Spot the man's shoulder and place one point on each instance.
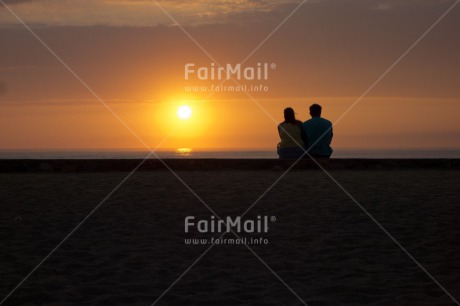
(325, 121)
(316, 121)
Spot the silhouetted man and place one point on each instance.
(318, 134)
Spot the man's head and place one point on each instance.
(315, 110)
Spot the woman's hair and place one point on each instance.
(289, 116)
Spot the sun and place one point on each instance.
(184, 112)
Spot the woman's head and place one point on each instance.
(289, 115)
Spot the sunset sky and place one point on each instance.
(132, 56)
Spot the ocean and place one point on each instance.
(217, 153)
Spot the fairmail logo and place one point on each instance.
(227, 72)
(228, 224)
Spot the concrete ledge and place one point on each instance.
(117, 165)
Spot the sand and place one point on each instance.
(321, 245)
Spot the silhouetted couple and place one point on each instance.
(314, 135)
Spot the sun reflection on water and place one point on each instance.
(184, 152)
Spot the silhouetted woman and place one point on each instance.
(290, 131)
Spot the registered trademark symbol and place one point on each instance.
(273, 218)
(273, 66)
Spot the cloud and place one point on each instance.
(13, 2)
(140, 13)
(135, 13)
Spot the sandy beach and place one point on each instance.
(320, 244)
